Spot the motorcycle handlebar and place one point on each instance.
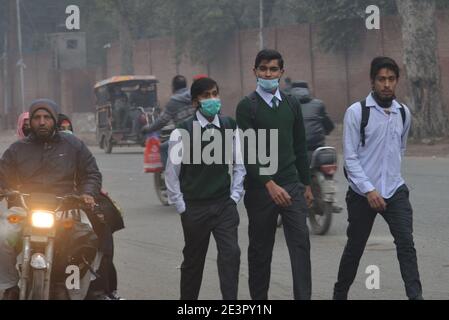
(67, 200)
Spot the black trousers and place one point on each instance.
(199, 221)
(262, 214)
(399, 217)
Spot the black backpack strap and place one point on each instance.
(253, 107)
(403, 115)
(364, 121)
(293, 103)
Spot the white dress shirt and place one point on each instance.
(268, 97)
(377, 166)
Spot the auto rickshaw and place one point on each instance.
(123, 106)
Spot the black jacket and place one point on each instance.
(316, 120)
(61, 166)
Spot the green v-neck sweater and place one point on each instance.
(292, 149)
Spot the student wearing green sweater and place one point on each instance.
(203, 192)
(287, 191)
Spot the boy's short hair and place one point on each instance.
(268, 55)
(379, 63)
(201, 85)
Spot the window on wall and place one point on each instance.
(72, 44)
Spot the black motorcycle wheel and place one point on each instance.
(320, 215)
(37, 288)
(161, 189)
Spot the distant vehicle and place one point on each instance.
(122, 108)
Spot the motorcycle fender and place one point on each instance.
(328, 188)
(38, 261)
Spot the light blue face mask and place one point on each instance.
(268, 85)
(210, 107)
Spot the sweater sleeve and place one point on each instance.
(300, 147)
(244, 122)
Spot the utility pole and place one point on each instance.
(261, 26)
(5, 83)
(12, 52)
(20, 63)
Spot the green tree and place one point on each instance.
(421, 62)
(342, 24)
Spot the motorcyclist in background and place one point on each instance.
(178, 109)
(316, 120)
(317, 123)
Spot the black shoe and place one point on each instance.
(114, 296)
(340, 296)
(12, 293)
(417, 298)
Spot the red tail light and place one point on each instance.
(329, 169)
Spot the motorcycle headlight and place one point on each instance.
(42, 219)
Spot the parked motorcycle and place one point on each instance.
(323, 167)
(58, 246)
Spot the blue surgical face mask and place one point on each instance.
(210, 107)
(268, 85)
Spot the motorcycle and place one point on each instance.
(59, 249)
(323, 168)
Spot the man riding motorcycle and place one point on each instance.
(49, 162)
(316, 120)
(178, 109)
(317, 123)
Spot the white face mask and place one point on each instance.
(268, 85)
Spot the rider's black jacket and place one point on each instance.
(61, 166)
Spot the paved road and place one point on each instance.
(149, 250)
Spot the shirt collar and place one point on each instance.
(267, 96)
(204, 122)
(370, 102)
